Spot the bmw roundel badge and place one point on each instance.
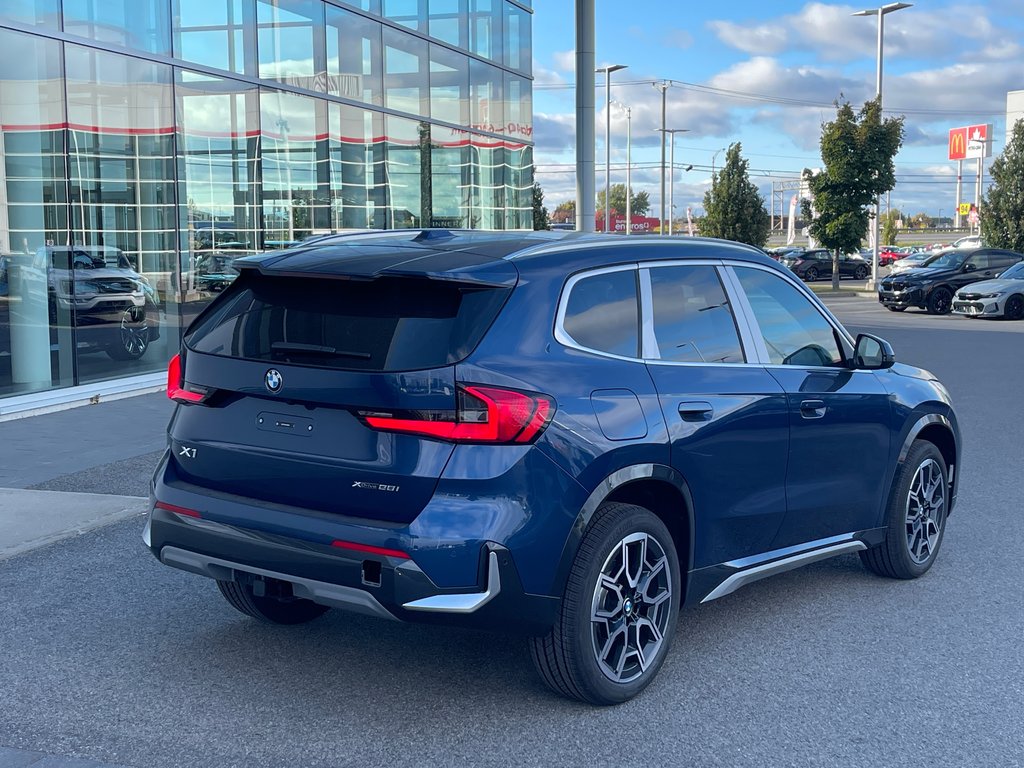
(274, 380)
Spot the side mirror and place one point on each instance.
(968, 267)
(872, 353)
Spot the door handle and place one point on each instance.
(813, 409)
(696, 411)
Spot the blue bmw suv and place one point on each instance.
(566, 436)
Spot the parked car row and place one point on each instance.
(814, 264)
(960, 280)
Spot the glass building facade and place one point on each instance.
(144, 144)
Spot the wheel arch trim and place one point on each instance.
(617, 480)
(919, 425)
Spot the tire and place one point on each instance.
(940, 302)
(811, 275)
(270, 610)
(132, 336)
(896, 309)
(911, 545)
(602, 661)
(1014, 309)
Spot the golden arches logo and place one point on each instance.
(958, 144)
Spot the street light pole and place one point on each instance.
(663, 87)
(880, 12)
(608, 137)
(629, 171)
(672, 172)
(713, 158)
(585, 43)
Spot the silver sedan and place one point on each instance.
(1002, 297)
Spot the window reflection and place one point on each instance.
(487, 183)
(518, 42)
(408, 13)
(406, 165)
(41, 13)
(448, 21)
(296, 184)
(406, 73)
(487, 111)
(354, 57)
(485, 28)
(121, 167)
(450, 177)
(215, 33)
(519, 186)
(141, 24)
(288, 31)
(449, 85)
(357, 168)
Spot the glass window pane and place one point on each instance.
(794, 331)
(144, 25)
(287, 41)
(518, 186)
(487, 183)
(36, 344)
(405, 170)
(485, 28)
(603, 314)
(218, 146)
(296, 169)
(449, 85)
(693, 321)
(354, 57)
(358, 172)
(449, 21)
(406, 68)
(518, 44)
(450, 174)
(487, 113)
(518, 107)
(122, 212)
(42, 13)
(215, 33)
(408, 13)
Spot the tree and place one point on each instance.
(641, 203)
(890, 229)
(1002, 209)
(921, 220)
(564, 213)
(857, 150)
(733, 207)
(540, 213)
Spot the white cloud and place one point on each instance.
(565, 61)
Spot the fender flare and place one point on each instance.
(922, 421)
(616, 480)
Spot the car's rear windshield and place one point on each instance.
(387, 324)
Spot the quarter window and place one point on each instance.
(693, 322)
(794, 330)
(602, 313)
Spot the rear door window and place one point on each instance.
(693, 321)
(602, 313)
(387, 324)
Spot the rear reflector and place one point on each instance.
(383, 551)
(176, 509)
(484, 415)
(176, 384)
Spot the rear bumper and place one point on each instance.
(370, 584)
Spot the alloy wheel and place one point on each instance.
(134, 332)
(926, 511)
(631, 607)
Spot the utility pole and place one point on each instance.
(957, 223)
(672, 172)
(586, 199)
(663, 87)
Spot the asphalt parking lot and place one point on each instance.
(109, 656)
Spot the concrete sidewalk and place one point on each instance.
(68, 472)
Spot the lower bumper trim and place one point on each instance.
(335, 595)
(465, 602)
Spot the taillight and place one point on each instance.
(176, 384)
(184, 511)
(484, 415)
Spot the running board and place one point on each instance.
(763, 571)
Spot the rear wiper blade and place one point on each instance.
(317, 349)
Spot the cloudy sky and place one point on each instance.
(766, 74)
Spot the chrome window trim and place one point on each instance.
(562, 336)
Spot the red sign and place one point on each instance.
(957, 143)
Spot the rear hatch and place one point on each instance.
(292, 362)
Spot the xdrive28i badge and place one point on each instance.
(274, 380)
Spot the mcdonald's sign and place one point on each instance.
(958, 143)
